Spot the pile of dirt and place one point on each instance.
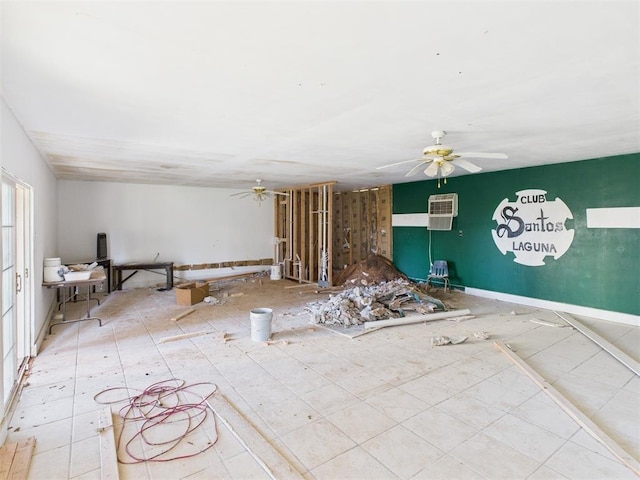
(370, 271)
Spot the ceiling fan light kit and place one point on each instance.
(441, 160)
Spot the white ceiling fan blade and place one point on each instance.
(399, 163)
(432, 170)
(278, 193)
(414, 170)
(500, 156)
(468, 166)
(241, 194)
(447, 169)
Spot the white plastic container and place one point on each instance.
(51, 274)
(275, 272)
(75, 276)
(52, 262)
(261, 324)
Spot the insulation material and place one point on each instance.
(362, 225)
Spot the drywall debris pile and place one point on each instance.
(357, 305)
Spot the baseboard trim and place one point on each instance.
(37, 344)
(617, 317)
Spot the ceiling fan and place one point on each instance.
(441, 161)
(259, 192)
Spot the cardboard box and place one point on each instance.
(191, 293)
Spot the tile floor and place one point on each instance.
(385, 405)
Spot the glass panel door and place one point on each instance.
(9, 331)
(17, 325)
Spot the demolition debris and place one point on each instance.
(357, 305)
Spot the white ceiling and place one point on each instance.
(221, 93)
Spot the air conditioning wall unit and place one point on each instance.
(442, 209)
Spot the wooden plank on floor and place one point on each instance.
(184, 335)
(273, 463)
(108, 454)
(571, 410)
(15, 459)
(7, 452)
(611, 349)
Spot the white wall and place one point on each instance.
(23, 161)
(186, 225)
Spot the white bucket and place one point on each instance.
(275, 272)
(51, 274)
(52, 262)
(261, 324)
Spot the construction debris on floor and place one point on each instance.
(357, 305)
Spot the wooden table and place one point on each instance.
(97, 278)
(166, 266)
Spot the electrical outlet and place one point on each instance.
(459, 233)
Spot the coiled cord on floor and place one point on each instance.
(146, 417)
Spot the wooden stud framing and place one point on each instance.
(385, 238)
(312, 235)
(363, 225)
(337, 228)
(346, 225)
(299, 223)
(358, 224)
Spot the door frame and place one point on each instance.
(24, 298)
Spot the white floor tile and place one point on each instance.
(384, 405)
(525, 437)
(543, 412)
(354, 464)
(470, 410)
(329, 399)
(402, 451)
(447, 468)
(397, 404)
(50, 464)
(440, 428)
(575, 461)
(85, 456)
(361, 422)
(494, 459)
(317, 443)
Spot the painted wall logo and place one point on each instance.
(532, 227)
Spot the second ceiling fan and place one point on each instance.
(441, 161)
(259, 192)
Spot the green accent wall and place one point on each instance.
(601, 268)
